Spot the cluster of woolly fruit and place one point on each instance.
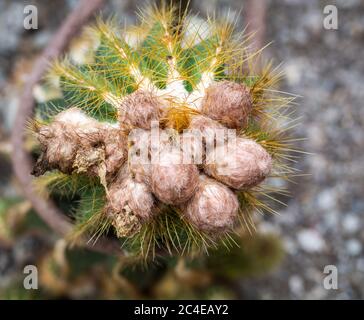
(199, 93)
(75, 142)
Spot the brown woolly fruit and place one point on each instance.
(209, 128)
(172, 181)
(204, 124)
(130, 204)
(139, 109)
(239, 165)
(228, 102)
(76, 142)
(213, 208)
(203, 132)
(144, 147)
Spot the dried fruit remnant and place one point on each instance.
(126, 224)
(129, 204)
(74, 142)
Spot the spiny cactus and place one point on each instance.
(159, 73)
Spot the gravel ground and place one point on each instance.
(322, 224)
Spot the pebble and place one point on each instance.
(296, 285)
(351, 223)
(360, 265)
(311, 241)
(353, 247)
(294, 70)
(326, 200)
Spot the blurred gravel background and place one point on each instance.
(322, 224)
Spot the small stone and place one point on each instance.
(296, 284)
(360, 265)
(317, 293)
(294, 71)
(351, 223)
(311, 241)
(326, 200)
(353, 247)
(290, 246)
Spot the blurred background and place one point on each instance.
(323, 221)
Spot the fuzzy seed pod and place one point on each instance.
(209, 128)
(213, 208)
(228, 102)
(130, 204)
(172, 181)
(110, 149)
(58, 150)
(139, 108)
(244, 165)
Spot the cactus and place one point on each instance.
(158, 73)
